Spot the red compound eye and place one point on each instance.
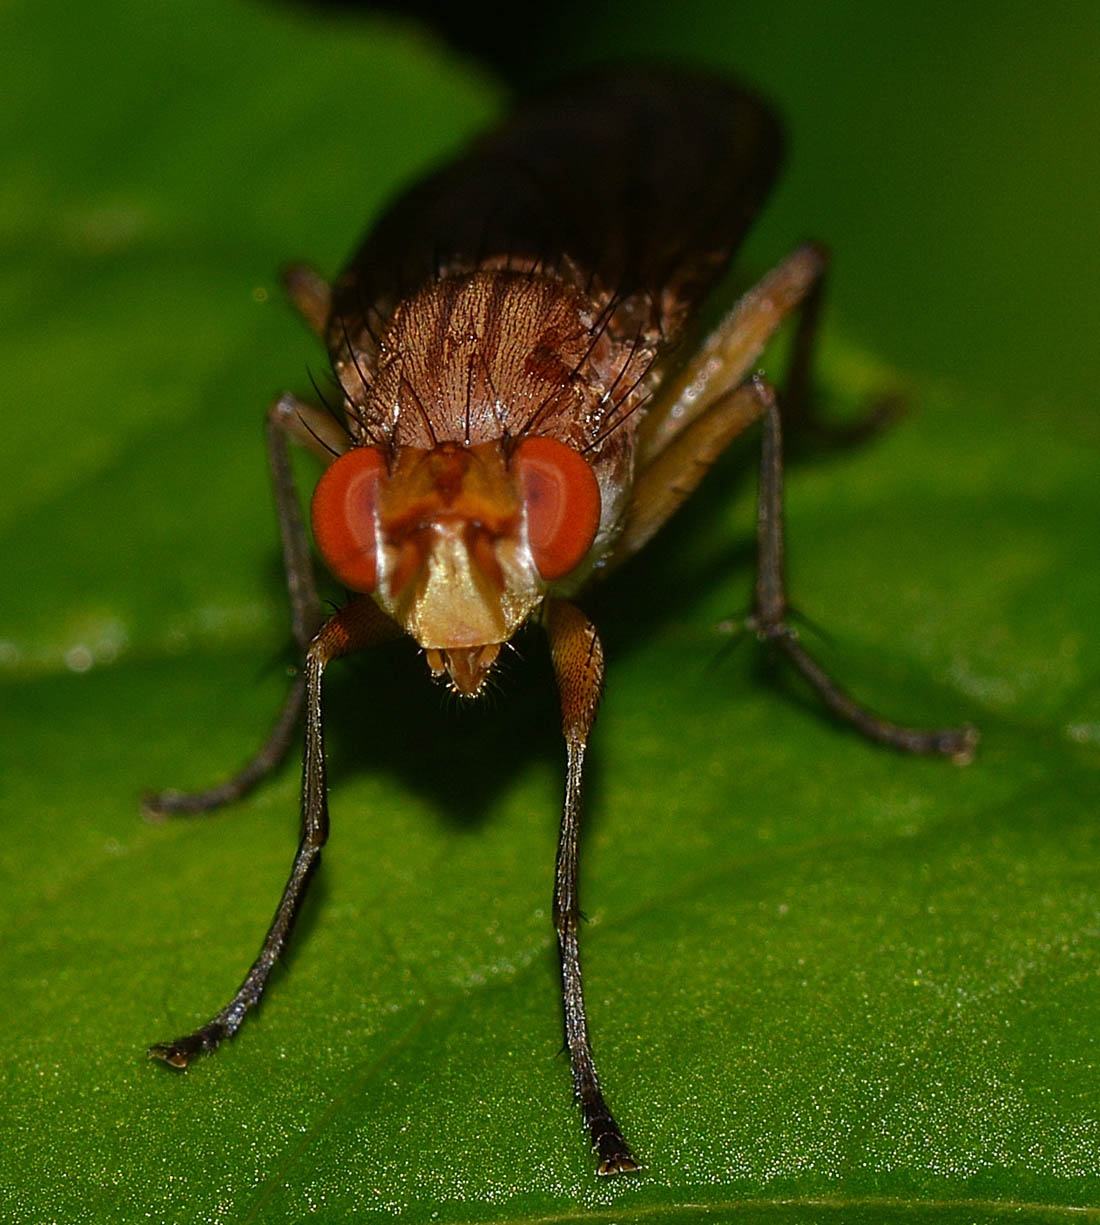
(563, 504)
(343, 516)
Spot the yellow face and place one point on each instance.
(457, 543)
(455, 570)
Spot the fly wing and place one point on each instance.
(638, 185)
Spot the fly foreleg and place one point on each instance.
(355, 626)
(578, 665)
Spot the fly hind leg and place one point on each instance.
(709, 404)
(287, 418)
(769, 618)
(801, 415)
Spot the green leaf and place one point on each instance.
(825, 982)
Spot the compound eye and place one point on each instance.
(343, 514)
(562, 499)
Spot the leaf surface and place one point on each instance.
(825, 982)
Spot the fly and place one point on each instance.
(517, 418)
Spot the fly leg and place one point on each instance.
(799, 403)
(712, 399)
(730, 353)
(286, 417)
(769, 619)
(708, 404)
(311, 295)
(578, 665)
(358, 625)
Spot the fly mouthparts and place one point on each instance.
(467, 668)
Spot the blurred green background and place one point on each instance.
(826, 983)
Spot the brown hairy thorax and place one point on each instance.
(498, 353)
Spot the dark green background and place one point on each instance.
(827, 983)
